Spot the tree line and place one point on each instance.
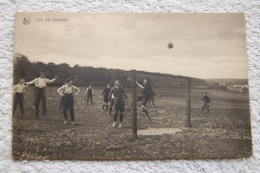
(86, 75)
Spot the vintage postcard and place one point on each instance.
(115, 86)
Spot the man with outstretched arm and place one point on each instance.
(40, 84)
(146, 94)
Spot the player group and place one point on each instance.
(113, 98)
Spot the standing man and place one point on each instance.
(90, 92)
(206, 101)
(118, 94)
(67, 92)
(146, 94)
(40, 84)
(18, 91)
(105, 94)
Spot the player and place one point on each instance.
(118, 94)
(67, 92)
(146, 93)
(40, 84)
(89, 92)
(206, 101)
(18, 91)
(105, 94)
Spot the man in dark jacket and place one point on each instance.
(118, 94)
(89, 92)
(206, 100)
(105, 94)
(146, 94)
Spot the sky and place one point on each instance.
(206, 45)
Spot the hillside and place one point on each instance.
(229, 81)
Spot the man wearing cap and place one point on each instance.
(40, 84)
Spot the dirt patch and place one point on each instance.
(159, 131)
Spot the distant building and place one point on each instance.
(238, 88)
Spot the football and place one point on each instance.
(170, 45)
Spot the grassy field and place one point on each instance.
(225, 132)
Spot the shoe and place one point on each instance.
(72, 123)
(65, 122)
(35, 117)
(114, 124)
(120, 125)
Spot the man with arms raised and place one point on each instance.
(40, 83)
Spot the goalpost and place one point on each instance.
(134, 103)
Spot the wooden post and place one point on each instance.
(134, 105)
(189, 103)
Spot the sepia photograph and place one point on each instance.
(130, 86)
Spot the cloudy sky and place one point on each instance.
(205, 45)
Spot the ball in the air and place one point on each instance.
(170, 45)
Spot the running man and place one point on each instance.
(67, 92)
(18, 91)
(40, 84)
(118, 94)
(105, 94)
(206, 101)
(146, 94)
(89, 92)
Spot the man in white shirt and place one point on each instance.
(40, 84)
(67, 92)
(18, 91)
